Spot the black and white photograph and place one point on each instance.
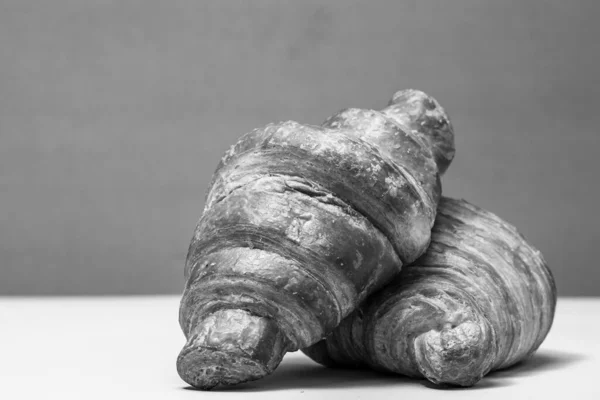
(267, 199)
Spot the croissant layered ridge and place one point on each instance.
(301, 224)
(481, 298)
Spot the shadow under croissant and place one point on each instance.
(305, 374)
(541, 361)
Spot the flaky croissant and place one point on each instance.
(301, 223)
(480, 299)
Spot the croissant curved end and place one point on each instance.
(456, 355)
(229, 347)
(421, 112)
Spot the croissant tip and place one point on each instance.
(458, 355)
(206, 369)
(229, 347)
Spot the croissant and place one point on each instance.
(481, 298)
(301, 223)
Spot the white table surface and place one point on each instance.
(125, 348)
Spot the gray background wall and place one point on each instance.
(113, 115)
